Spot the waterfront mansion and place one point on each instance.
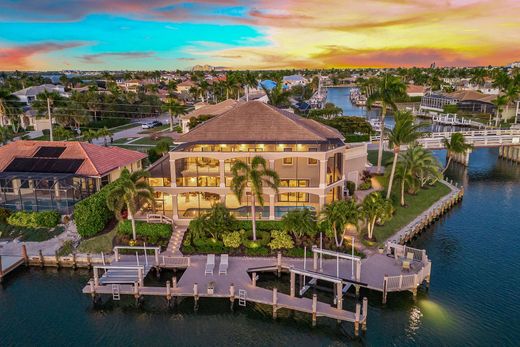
(312, 160)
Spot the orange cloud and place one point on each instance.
(19, 57)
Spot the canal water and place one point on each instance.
(473, 299)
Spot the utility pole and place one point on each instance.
(50, 118)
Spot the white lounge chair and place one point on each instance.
(224, 264)
(210, 264)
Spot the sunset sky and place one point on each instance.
(256, 34)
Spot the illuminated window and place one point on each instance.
(287, 161)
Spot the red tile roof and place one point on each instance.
(98, 160)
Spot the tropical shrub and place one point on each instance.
(152, 233)
(232, 239)
(92, 214)
(263, 238)
(280, 239)
(45, 219)
(351, 187)
(4, 214)
(365, 185)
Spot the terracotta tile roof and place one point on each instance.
(465, 95)
(412, 88)
(211, 110)
(98, 160)
(255, 121)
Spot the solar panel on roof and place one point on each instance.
(49, 152)
(44, 165)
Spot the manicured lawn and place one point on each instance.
(125, 127)
(122, 140)
(29, 234)
(372, 156)
(98, 244)
(146, 141)
(156, 129)
(416, 204)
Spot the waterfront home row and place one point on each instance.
(312, 160)
(45, 175)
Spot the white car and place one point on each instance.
(152, 124)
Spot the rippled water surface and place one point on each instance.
(473, 299)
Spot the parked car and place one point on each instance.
(152, 124)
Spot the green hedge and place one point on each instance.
(4, 214)
(44, 219)
(92, 214)
(152, 233)
(260, 225)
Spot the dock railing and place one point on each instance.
(158, 218)
(156, 250)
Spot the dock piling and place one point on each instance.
(293, 283)
(275, 301)
(314, 308)
(24, 254)
(40, 254)
(232, 295)
(356, 322)
(279, 263)
(196, 297)
(1, 270)
(365, 311)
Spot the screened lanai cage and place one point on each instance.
(43, 191)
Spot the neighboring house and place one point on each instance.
(184, 87)
(129, 86)
(28, 95)
(466, 100)
(312, 160)
(413, 90)
(45, 175)
(206, 110)
(294, 80)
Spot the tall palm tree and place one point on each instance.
(455, 145)
(255, 176)
(404, 132)
(45, 104)
(387, 90)
(478, 76)
(249, 82)
(300, 222)
(511, 93)
(9, 109)
(174, 109)
(131, 190)
(339, 214)
(374, 208)
(499, 103)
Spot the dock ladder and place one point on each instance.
(242, 297)
(116, 294)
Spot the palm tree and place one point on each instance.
(63, 134)
(511, 93)
(277, 96)
(375, 208)
(8, 109)
(455, 145)
(300, 222)
(254, 176)
(404, 132)
(478, 77)
(499, 103)
(339, 214)
(131, 190)
(249, 81)
(6, 135)
(423, 165)
(89, 135)
(387, 90)
(174, 109)
(105, 133)
(45, 104)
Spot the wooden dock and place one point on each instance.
(9, 263)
